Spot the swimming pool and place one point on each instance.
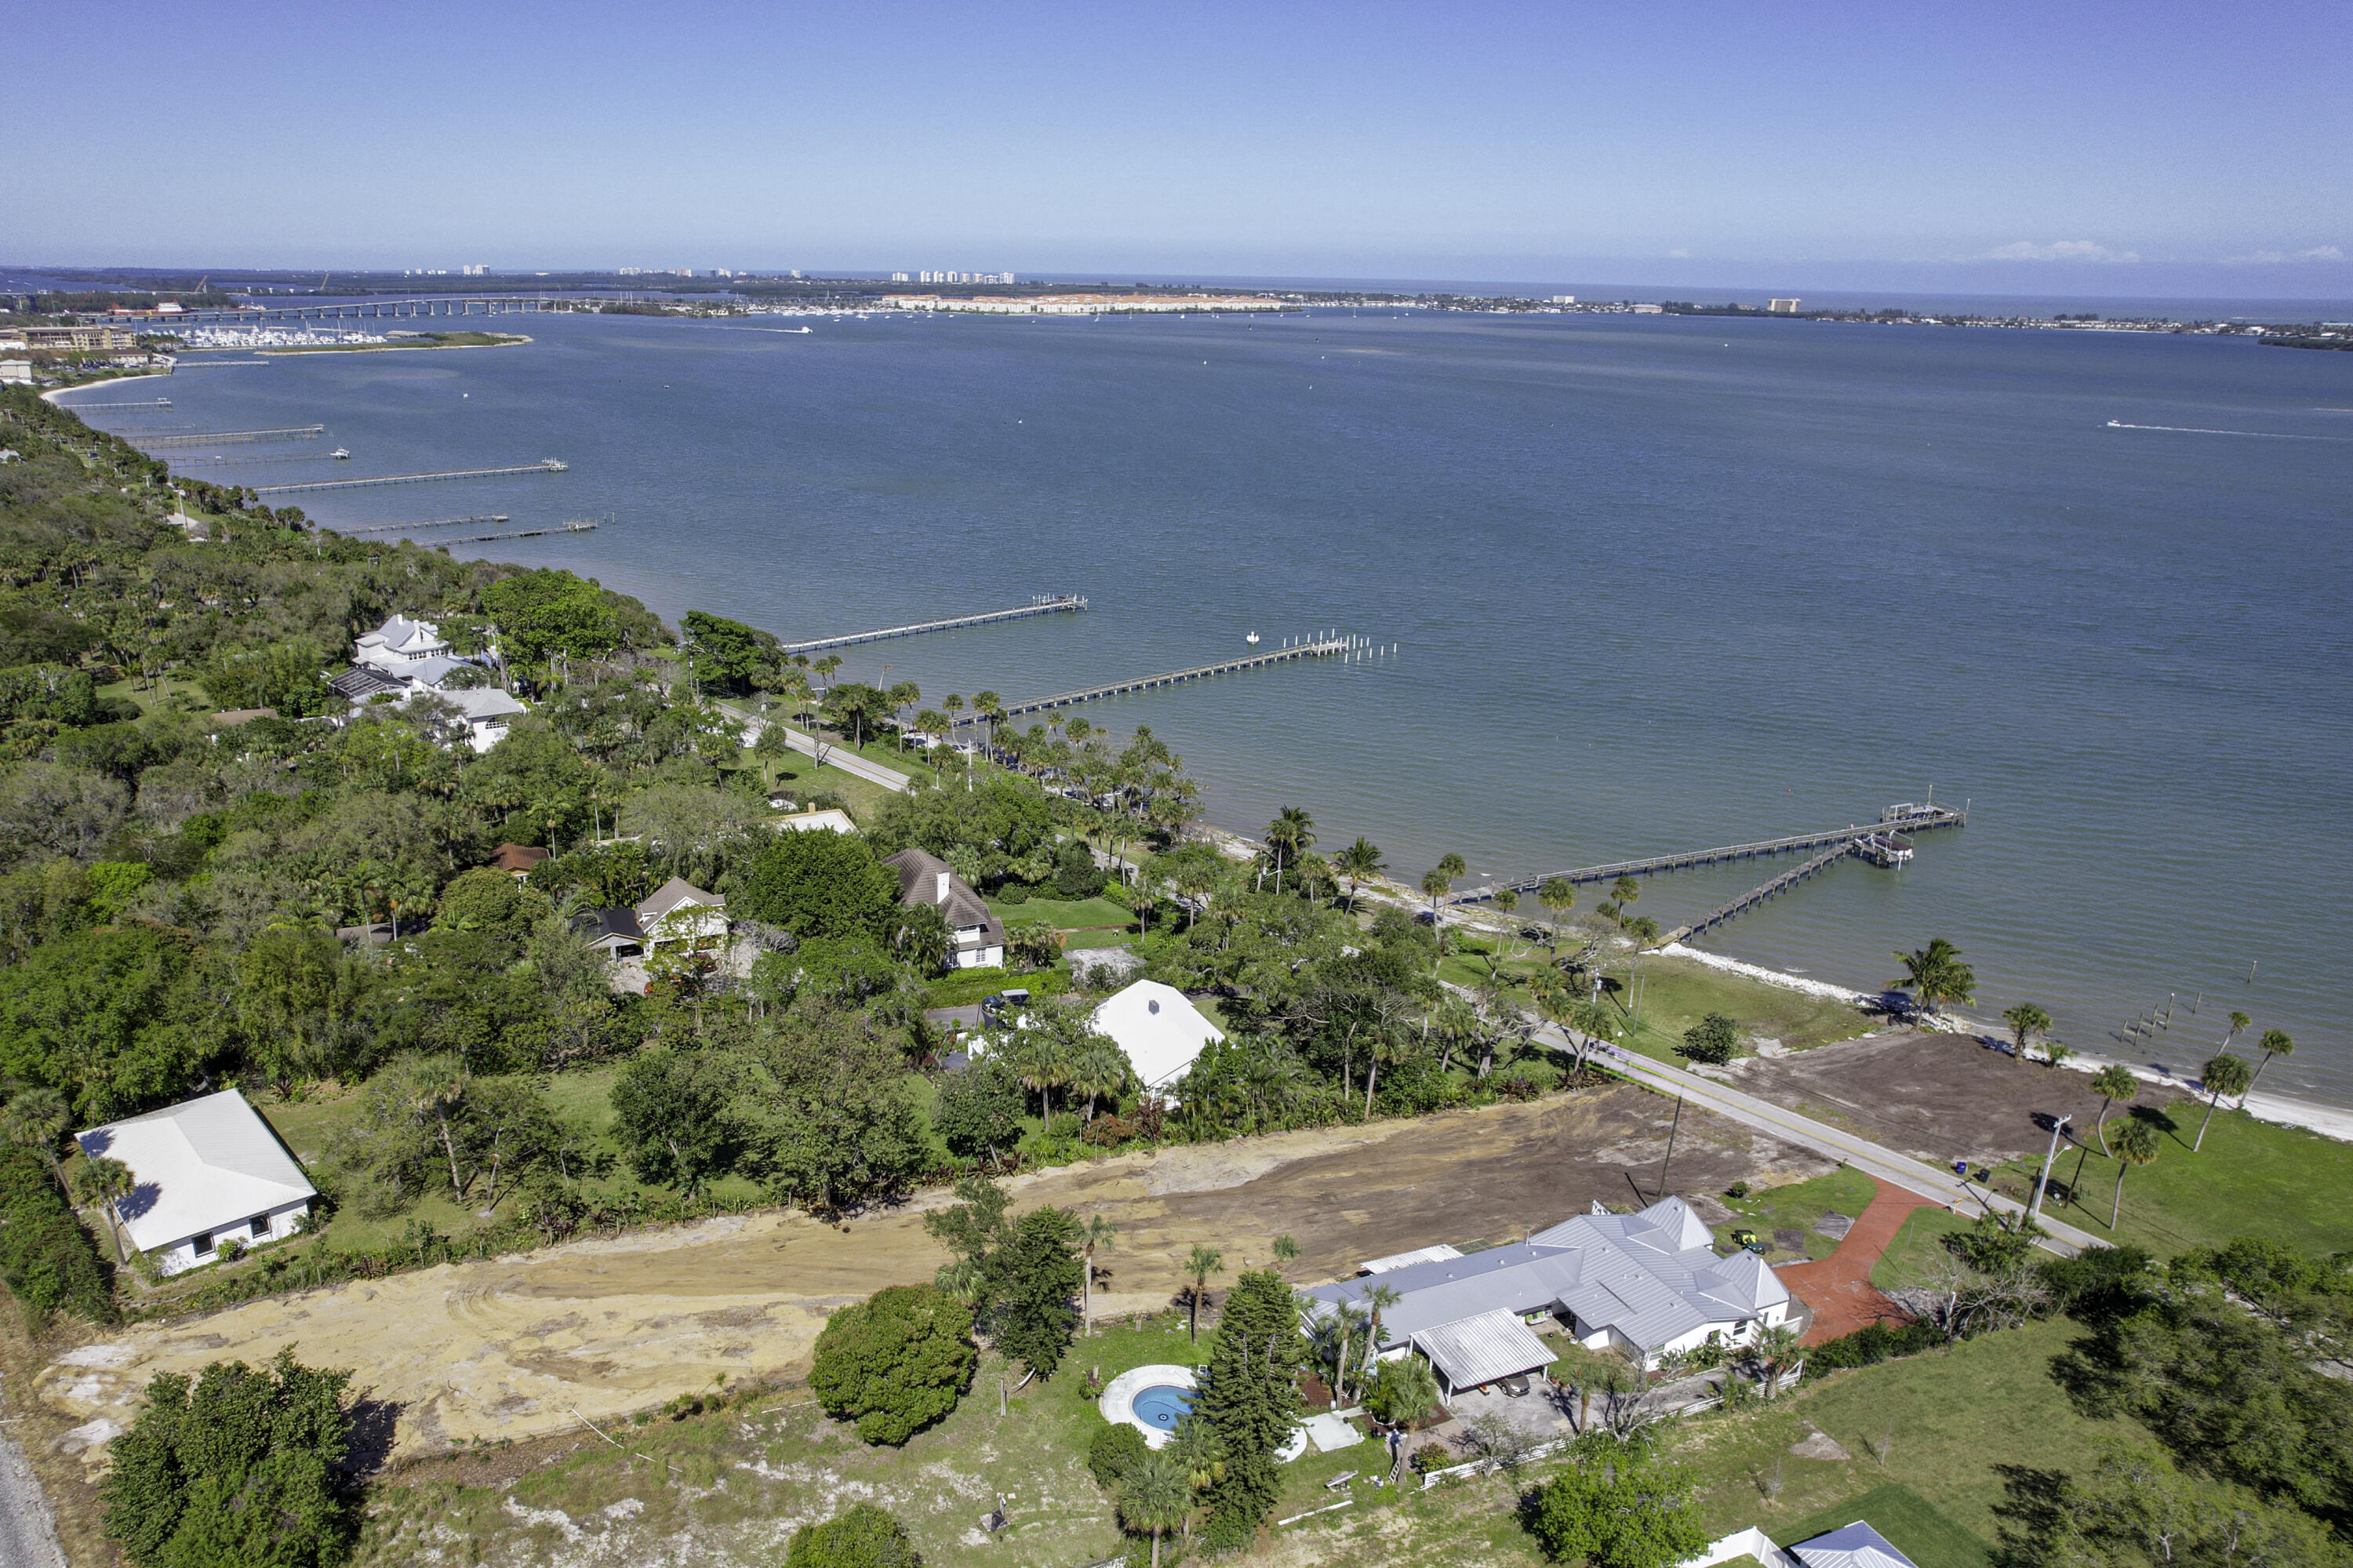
(1160, 1406)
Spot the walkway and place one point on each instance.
(1838, 1288)
(827, 755)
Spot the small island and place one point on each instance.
(407, 340)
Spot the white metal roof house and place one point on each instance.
(398, 643)
(403, 658)
(1644, 1284)
(1159, 1029)
(204, 1172)
(976, 936)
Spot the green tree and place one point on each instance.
(1199, 1264)
(819, 885)
(1358, 861)
(1155, 1496)
(2274, 1043)
(2024, 1020)
(36, 1119)
(101, 1182)
(673, 1115)
(865, 1536)
(1623, 892)
(238, 1469)
(1248, 1393)
(1032, 1281)
(729, 658)
(2136, 1143)
(979, 1108)
(1715, 1038)
(1403, 1390)
(1558, 895)
(896, 1363)
(1287, 838)
(2114, 1084)
(2224, 1074)
(1935, 975)
(1094, 1236)
(826, 1116)
(1616, 1508)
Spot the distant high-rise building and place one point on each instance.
(1783, 307)
(899, 277)
(1564, 299)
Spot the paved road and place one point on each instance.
(1872, 1158)
(850, 762)
(27, 1538)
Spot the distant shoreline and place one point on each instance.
(506, 340)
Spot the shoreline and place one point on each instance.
(514, 341)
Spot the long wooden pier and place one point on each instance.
(1756, 895)
(578, 525)
(544, 465)
(146, 403)
(1053, 604)
(478, 520)
(1905, 818)
(290, 433)
(1327, 648)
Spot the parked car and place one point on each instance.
(1005, 1006)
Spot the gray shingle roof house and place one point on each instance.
(1644, 1284)
(976, 936)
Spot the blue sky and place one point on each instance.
(2140, 149)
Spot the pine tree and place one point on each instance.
(1032, 1281)
(1248, 1393)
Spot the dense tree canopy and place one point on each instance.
(896, 1363)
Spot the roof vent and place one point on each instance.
(1152, 1004)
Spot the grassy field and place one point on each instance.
(1795, 1208)
(1912, 1524)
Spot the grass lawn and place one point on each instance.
(1917, 1245)
(1677, 993)
(1795, 1208)
(1067, 915)
(2252, 1178)
(965, 987)
(1950, 1418)
(1911, 1523)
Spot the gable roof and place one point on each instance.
(672, 893)
(919, 883)
(1855, 1545)
(518, 857)
(399, 634)
(1159, 1029)
(596, 926)
(202, 1165)
(1475, 1351)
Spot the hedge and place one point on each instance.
(48, 1260)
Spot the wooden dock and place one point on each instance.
(1326, 648)
(544, 465)
(290, 433)
(1906, 817)
(479, 520)
(577, 526)
(143, 403)
(1756, 895)
(1049, 604)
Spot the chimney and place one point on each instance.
(943, 886)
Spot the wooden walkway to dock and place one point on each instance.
(1756, 895)
(544, 465)
(578, 525)
(1052, 604)
(1331, 647)
(479, 520)
(1911, 819)
(290, 433)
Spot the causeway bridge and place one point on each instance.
(358, 310)
(1045, 604)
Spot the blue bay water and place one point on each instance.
(1655, 584)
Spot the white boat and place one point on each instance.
(340, 452)
(1251, 639)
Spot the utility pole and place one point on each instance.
(1672, 1127)
(2035, 1208)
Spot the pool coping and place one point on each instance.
(1118, 1401)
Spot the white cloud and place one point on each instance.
(2274, 258)
(2059, 250)
(1679, 255)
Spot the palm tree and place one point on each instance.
(1455, 1023)
(2239, 1022)
(101, 1182)
(1774, 1349)
(1624, 891)
(1558, 895)
(2274, 1043)
(1094, 1236)
(1156, 1494)
(2056, 1051)
(1378, 1299)
(1935, 974)
(2112, 1083)
(1098, 1070)
(1291, 832)
(2025, 1019)
(2136, 1144)
(36, 1118)
(1435, 886)
(1199, 1264)
(2224, 1075)
(1357, 862)
(1508, 901)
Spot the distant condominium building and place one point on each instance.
(954, 276)
(1783, 307)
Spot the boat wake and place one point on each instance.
(2200, 431)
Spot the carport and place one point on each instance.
(1471, 1352)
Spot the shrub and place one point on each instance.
(1114, 1452)
(1076, 875)
(1108, 1131)
(896, 1363)
(1715, 1038)
(1871, 1344)
(48, 1260)
(865, 1537)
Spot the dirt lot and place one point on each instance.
(529, 1345)
(1938, 1098)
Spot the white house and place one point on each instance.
(402, 659)
(976, 936)
(679, 913)
(1160, 1031)
(204, 1173)
(398, 644)
(1645, 1283)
